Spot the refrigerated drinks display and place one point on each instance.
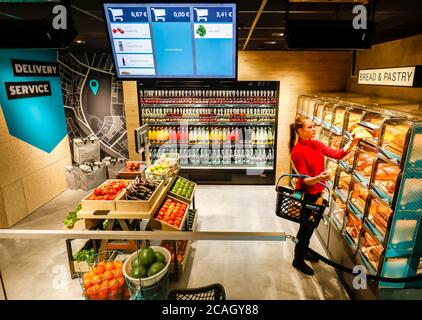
(216, 130)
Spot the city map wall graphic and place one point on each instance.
(93, 100)
(32, 100)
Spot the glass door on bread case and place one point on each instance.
(218, 131)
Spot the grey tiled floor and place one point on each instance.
(37, 269)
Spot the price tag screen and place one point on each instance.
(185, 41)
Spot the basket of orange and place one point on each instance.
(105, 281)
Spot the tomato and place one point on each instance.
(179, 258)
(121, 281)
(92, 294)
(100, 269)
(91, 197)
(107, 275)
(113, 284)
(105, 285)
(97, 279)
(91, 274)
(117, 273)
(97, 192)
(117, 264)
(88, 283)
(99, 198)
(85, 275)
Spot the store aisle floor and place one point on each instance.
(38, 269)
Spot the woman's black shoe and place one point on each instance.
(302, 266)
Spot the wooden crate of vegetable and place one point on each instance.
(141, 195)
(103, 197)
(171, 215)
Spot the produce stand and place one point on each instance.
(127, 220)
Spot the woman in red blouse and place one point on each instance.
(308, 158)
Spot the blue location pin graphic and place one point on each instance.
(94, 85)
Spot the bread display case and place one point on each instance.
(379, 220)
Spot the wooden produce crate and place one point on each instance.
(156, 175)
(162, 225)
(177, 196)
(126, 173)
(183, 263)
(101, 204)
(142, 206)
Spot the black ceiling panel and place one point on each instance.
(395, 19)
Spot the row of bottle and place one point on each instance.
(207, 93)
(161, 114)
(205, 156)
(213, 135)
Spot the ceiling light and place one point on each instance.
(278, 34)
(270, 42)
(80, 41)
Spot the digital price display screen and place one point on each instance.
(173, 40)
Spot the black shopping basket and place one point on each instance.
(294, 208)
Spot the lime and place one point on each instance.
(147, 257)
(143, 272)
(155, 268)
(136, 272)
(160, 257)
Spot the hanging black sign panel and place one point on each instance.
(19, 90)
(397, 77)
(25, 68)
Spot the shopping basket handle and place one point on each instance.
(302, 176)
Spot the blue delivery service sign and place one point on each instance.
(32, 103)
